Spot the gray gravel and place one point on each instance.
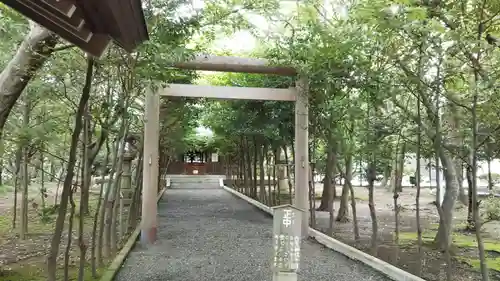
(205, 233)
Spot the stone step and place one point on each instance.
(174, 179)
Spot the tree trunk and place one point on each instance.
(443, 235)
(99, 219)
(2, 154)
(277, 176)
(52, 175)
(95, 256)
(96, 148)
(25, 174)
(470, 216)
(132, 218)
(456, 139)
(19, 155)
(475, 204)
(343, 214)
(43, 190)
(312, 197)
(247, 169)
(269, 181)
(348, 183)
(325, 194)
(371, 205)
(262, 176)
(397, 189)
(35, 49)
(109, 199)
(255, 159)
(418, 187)
(394, 171)
(85, 186)
(400, 168)
(68, 183)
(462, 198)
(329, 183)
(288, 174)
(490, 180)
(328, 190)
(116, 189)
(59, 181)
(70, 236)
(387, 176)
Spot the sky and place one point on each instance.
(234, 42)
(243, 41)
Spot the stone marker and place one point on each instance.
(286, 242)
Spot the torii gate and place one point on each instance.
(297, 94)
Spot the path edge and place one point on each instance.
(117, 262)
(379, 265)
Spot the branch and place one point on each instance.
(63, 47)
(408, 72)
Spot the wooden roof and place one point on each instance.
(89, 24)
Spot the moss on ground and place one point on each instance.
(5, 189)
(23, 273)
(33, 269)
(43, 221)
(286, 196)
(493, 263)
(36, 272)
(461, 241)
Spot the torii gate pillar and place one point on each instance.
(150, 167)
(302, 152)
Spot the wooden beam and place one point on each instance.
(116, 18)
(95, 46)
(55, 18)
(235, 64)
(66, 9)
(221, 92)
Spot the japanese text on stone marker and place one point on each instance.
(288, 217)
(287, 252)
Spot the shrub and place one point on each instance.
(492, 208)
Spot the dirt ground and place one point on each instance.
(25, 259)
(22, 260)
(465, 258)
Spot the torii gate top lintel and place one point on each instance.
(235, 64)
(231, 64)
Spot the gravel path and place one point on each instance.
(206, 234)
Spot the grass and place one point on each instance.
(33, 269)
(32, 272)
(5, 189)
(36, 272)
(493, 263)
(39, 224)
(461, 241)
(286, 196)
(35, 226)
